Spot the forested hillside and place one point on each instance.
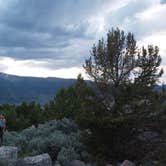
(15, 89)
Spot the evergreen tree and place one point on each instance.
(117, 63)
(69, 102)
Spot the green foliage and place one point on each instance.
(71, 101)
(118, 63)
(124, 77)
(58, 138)
(66, 155)
(66, 126)
(22, 116)
(3, 162)
(31, 111)
(68, 103)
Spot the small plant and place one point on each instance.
(66, 155)
(3, 162)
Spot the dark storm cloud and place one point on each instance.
(60, 30)
(28, 28)
(132, 17)
(163, 1)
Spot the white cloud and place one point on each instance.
(98, 24)
(37, 69)
(152, 13)
(157, 39)
(65, 32)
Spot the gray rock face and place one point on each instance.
(40, 160)
(149, 136)
(57, 163)
(128, 109)
(127, 163)
(77, 163)
(8, 153)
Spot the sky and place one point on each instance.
(52, 38)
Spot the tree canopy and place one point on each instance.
(118, 61)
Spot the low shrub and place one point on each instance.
(66, 155)
(59, 138)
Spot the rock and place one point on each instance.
(77, 163)
(155, 162)
(143, 102)
(20, 163)
(127, 109)
(40, 160)
(151, 136)
(8, 153)
(57, 163)
(127, 163)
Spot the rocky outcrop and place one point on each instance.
(127, 163)
(8, 153)
(39, 160)
(77, 163)
(151, 136)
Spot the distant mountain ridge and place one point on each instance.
(16, 89)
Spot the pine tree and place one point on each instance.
(116, 64)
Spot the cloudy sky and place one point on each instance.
(53, 37)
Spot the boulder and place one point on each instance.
(39, 160)
(151, 136)
(127, 109)
(127, 163)
(77, 163)
(8, 153)
(57, 163)
(20, 163)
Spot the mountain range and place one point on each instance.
(16, 89)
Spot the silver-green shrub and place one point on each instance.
(62, 137)
(66, 155)
(3, 162)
